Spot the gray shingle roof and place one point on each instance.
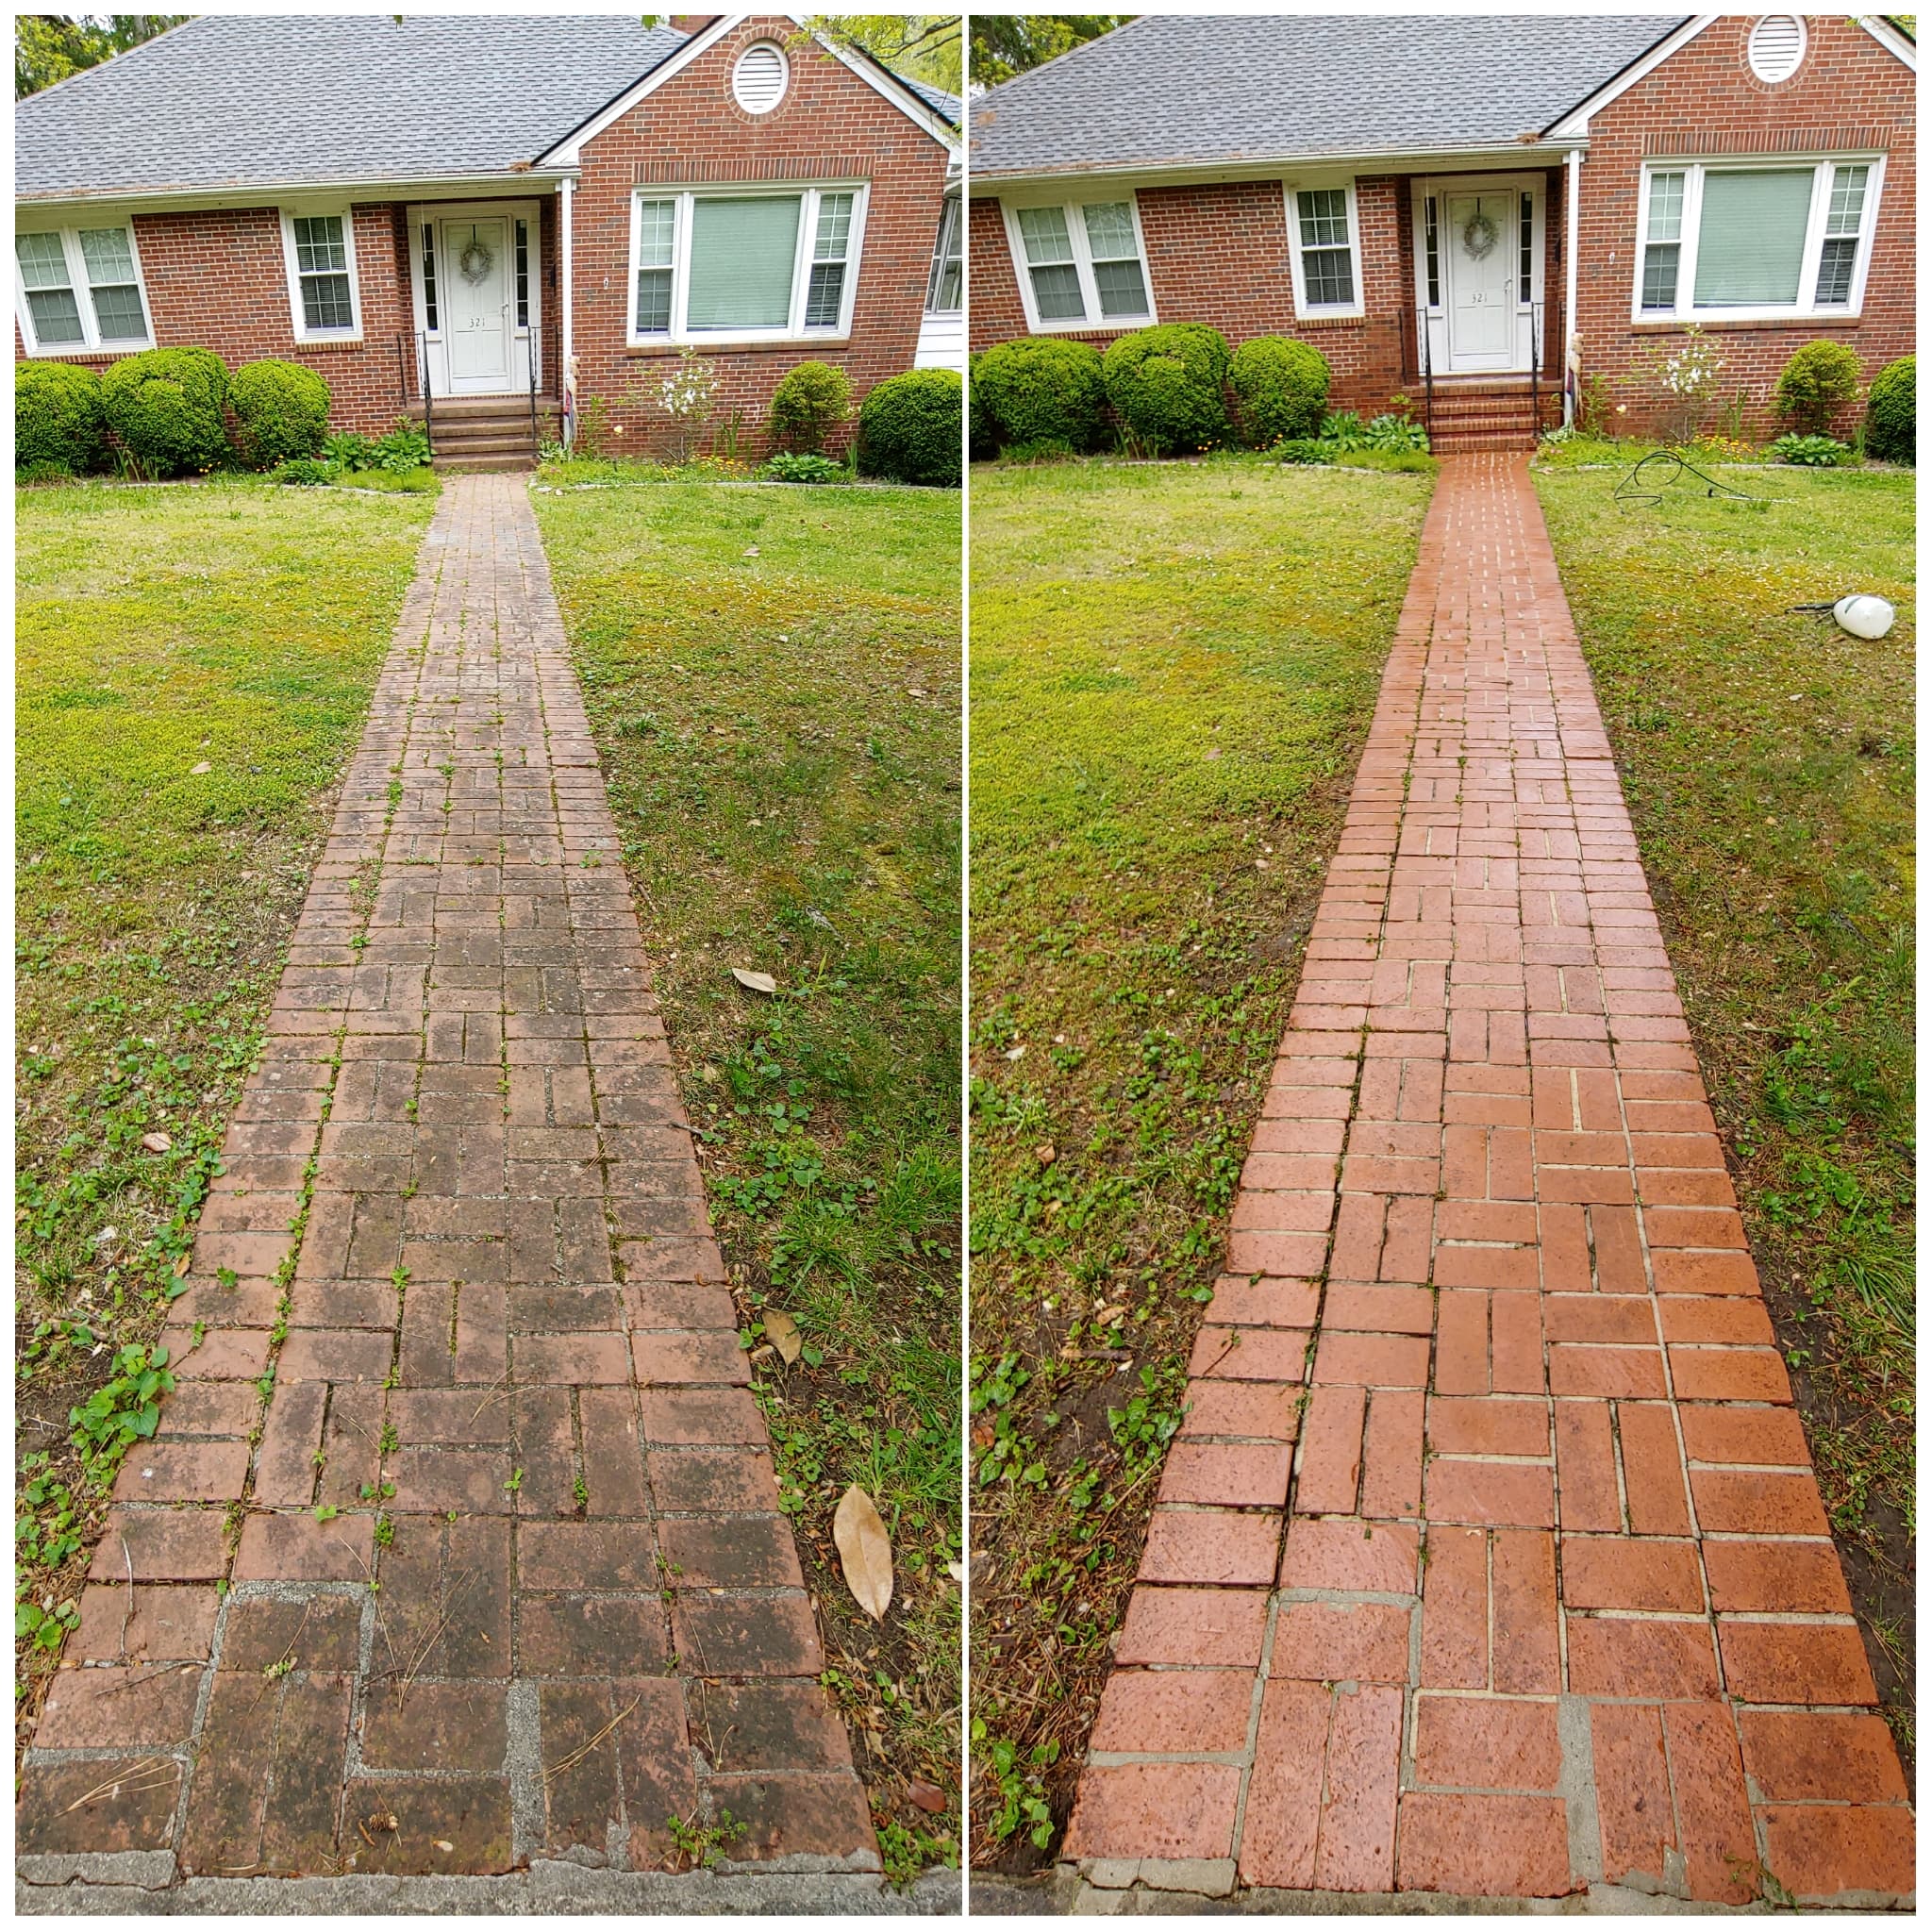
(239, 99)
(1193, 89)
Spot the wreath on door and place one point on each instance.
(476, 260)
(1479, 236)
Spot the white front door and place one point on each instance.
(1479, 243)
(478, 327)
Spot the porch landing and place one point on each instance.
(1489, 1562)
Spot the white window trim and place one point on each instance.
(1094, 321)
(1321, 310)
(1804, 310)
(794, 329)
(303, 333)
(91, 343)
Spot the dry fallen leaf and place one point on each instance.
(757, 982)
(865, 1552)
(957, 1572)
(781, 1331)
(155, 1143)
(195, 771)
(443, 1844)
(928, 1797)
(1108, 1316)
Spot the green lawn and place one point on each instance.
(1767, 760)
(233, 626)
(772, 677)
(1174, 668)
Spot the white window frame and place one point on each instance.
(1092, 322)
(91, 343)
(1318, 311)
(308, 210)
(1695, 171)
(794, 329)
(952, 211)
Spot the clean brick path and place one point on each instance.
(551, 1603)
(1490, 1560)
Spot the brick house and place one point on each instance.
(511, 217)
(1490, 215)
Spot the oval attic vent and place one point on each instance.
(1777, 46)
(758, 82)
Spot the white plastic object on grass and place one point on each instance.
(1864, 616)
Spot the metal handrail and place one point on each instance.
(428, 407)
(531, 359)
(1535, 366)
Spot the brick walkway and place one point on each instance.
(498, 1571)
(1547, 1597)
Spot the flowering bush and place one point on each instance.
(689, 395)
(1688, 377)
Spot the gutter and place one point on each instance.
(1544, 150)
(518, 180)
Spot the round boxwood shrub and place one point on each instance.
(283, 409)
(1817, 379)
(165, 407)
(1040, 390)
(1280, 389)
(812, 399)
(1892, 416)
(909, 428)
(980, 440)
(57, 416)
(1166, 385)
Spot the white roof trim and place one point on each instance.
(1890, 39)
(270, 193)
(1574, 124)
(1520, 154)
(568, 151)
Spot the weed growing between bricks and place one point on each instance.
(1174, 670)
(233, 627)
(1768, 761)
(772, 680)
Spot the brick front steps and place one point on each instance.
(498, 1573)
(1489, 1561)
(1470, 415)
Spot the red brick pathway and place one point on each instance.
(1548, 1598)
(497, 1571)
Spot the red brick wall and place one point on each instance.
(1850, 93)
(831, 123)
(218, 279)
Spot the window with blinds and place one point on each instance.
(944, 285)
(1321, 222)
(324, 280)
(712, 265)
(81, 288)
(1756, 239)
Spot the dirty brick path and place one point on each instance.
(1490, 1560)
(497, 1573)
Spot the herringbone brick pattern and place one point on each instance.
(460, 1542)
(1490, 1560)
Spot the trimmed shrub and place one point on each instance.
(57, 416)
(1892, 416)
(1819, 377)
(1280, 389)
(165, 407)
(909, 426)
(283, 409)
(812, 399)
(1166, 385)
(1039, 389)
(980, 442)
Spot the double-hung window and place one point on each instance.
(763, 265)
(80, 289)
(943, 286)
(1081, 264)
(320, 252)
(1322, 251)
(1755, 239)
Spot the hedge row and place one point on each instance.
(1169, 387)
(165, 409)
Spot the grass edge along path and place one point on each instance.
(1175, 667)
(772, 678)
(194, 666)
(1767, 759)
